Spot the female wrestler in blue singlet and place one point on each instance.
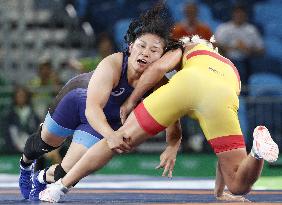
(88, 106)
(66, 117)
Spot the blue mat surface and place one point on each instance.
(135, 196)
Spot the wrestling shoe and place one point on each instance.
(25, 180)
(263, 145)
(54, 192)
(37, 187)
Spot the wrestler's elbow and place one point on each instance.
(87, 113)
(158, 68)
(90, 113)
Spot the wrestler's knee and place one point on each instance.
(35, 147)
(136, 139)
(238, 189)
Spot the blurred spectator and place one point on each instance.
(240, 41)
(20, 120)
(5, 93)
(105, 46)
(222, 9)
(99, 13)
(191, 25)
(44, 87)
(5, 98)
(69, 69)
(193, 140)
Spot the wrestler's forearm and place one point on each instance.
(94, 159)
(97, 119)
(155, 73)
(174, 134)
(147, 81)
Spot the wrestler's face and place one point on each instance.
(145, 50)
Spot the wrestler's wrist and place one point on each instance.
(109, 134)
(132, 104)
(133, 100)
(173, 142)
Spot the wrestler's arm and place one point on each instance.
(99, 89)
(155, 73)
(168, 157)
(150, 78)
(174, 134)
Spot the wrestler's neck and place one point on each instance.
(132, 75)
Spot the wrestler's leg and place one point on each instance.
(74, 153)
(133, 131)
(240, 171)
(219, 189)
(38, 179)
(60, 122)
(222, 129)
(81, 141)
(140, 125)
(249, 169)
(84, 137)
(40, 143)
(37, 145)
(95, 158)
(100, 153)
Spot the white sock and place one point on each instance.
(40, 176)
(255, 154)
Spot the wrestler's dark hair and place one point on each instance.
(155, 21)
(174, 44)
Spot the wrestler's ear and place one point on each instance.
(130, 48)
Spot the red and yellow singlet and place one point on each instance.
(206, 89)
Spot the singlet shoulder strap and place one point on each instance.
(124, 63)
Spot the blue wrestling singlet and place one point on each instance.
(66, 116)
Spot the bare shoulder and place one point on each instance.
(115, 58)
(113, 63)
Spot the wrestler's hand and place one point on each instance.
(125, 110)
(118, 143)
(167, 160)
(230, 197)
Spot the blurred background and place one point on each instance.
(45, 43)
